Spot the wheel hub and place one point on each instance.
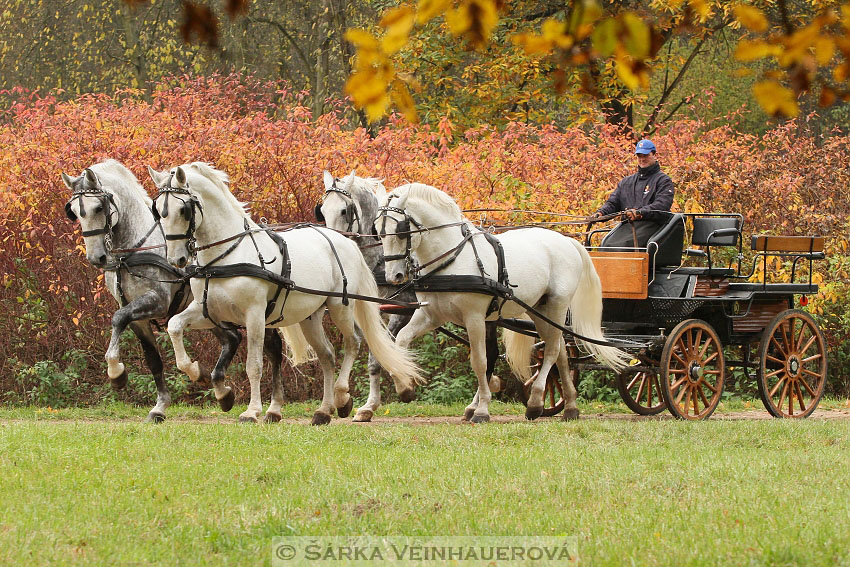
(794, 366)
(695, 372)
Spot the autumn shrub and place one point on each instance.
(784, 182)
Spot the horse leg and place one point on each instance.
(273, 347)
(372, 404)
(315, 335)
(419, 324)
(554, 345)
(255, 331)
(144, 307)
(192, 316)
(142, 329)
(470, 409)
(229, 340)
(343, 317)
(570, 394)
(476, 331)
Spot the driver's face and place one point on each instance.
(645, 160)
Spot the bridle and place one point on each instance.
(350, 208)
(107, 201)
(190, 206)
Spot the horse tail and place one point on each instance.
(586, 312)
(299, 350)
(518, 352)
(399, 362)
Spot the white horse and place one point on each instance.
(122, 238)
(351, 205)
(253, 278)
(425, 235)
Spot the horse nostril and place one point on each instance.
(101, 259)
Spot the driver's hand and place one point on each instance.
(632, 215)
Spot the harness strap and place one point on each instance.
(339, 263)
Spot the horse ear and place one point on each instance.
(402, 201)
(92, 178)
(350, 181)
(68, 180)
(180, 176)
(328, 179)
(158, 177)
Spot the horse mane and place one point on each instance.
(367, 191)
(433, 196)
(221, 181)
(117, 179)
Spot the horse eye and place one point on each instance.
(98, 209)
(344, 212)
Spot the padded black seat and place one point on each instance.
(665, 246)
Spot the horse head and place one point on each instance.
(97, 212)
(179, 211)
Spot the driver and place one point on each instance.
(642, 197)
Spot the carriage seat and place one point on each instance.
(665, 246)
(710, 232)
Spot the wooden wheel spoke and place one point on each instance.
(657, 388)
(704, 349)
(782, 362)
(714, 355)
(704, 399)
(634, 381)
(712, 372)
(682, 392)
(803, 327)
(774, 373)
(782, 395)
(785, 338)
(779, 347)
(807, 387)
(687, 400)
(811, 358)
(677, 371)
(678, 383)
(800, 397)
(710, 387)
(640, 389)
(698, 341)
(812, 374)
(790, 399)
(808, 344)
(679, 358)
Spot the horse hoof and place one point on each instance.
(247, 419)
(320, 418)
(482, 418)
(467, 415)
(119, 383)
(363, 416)
(226, 403)
(345, 410)
(407, 396)
(155, 417)
(532, 413)
(272, 418)
(570, 414)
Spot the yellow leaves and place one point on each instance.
(750, 17)
(553, 34)
(402, 99)
(752, 50)
(428, 9)
(701, 8)
(475, 20)
(824, 50)
(776, 99)
(636, 37)
(398, 22)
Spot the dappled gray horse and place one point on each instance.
(124, 240)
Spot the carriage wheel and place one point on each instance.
(692, 370)
(792, 365)
(553, 393)
(641, 391)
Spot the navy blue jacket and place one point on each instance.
(648, 190)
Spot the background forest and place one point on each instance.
(260, 90)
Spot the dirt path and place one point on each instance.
(227, 419)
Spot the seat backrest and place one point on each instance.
(669, 240)
(704, 226)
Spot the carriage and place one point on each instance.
(688, 325)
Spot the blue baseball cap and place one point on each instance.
(645, 147)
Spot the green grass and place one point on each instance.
(108, 490)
